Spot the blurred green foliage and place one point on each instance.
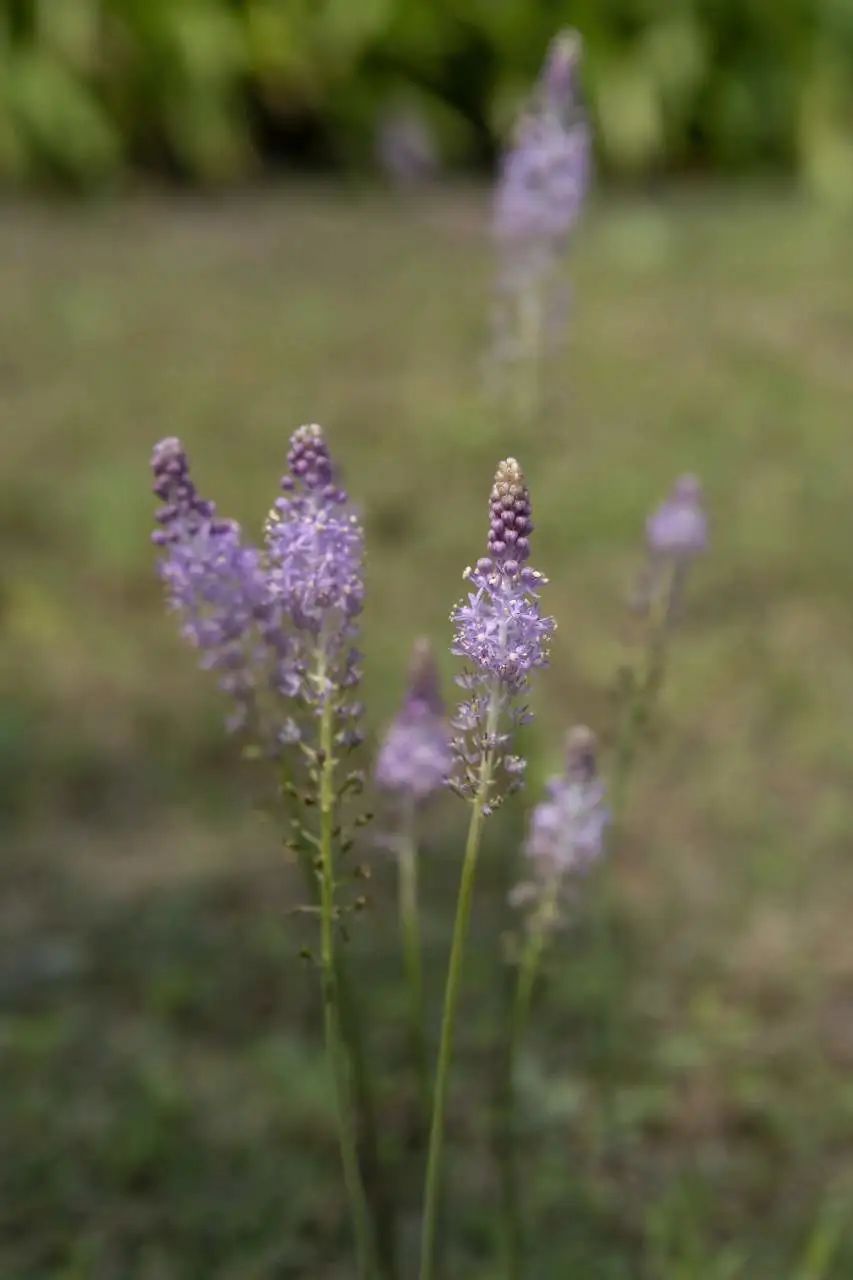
(212, 89)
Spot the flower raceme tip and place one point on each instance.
(679, 527)
(567, 829)
(414, 759)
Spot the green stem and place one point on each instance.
(407, 868)
(530, 323)
(379, 1197)
(528, 970)
(331, 1000)
(376, 1184)
(641, 702)
(451, 998)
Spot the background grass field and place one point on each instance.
(688, 1090)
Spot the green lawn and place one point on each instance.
(689, 1094)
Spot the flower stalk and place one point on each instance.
(528, 970)
(676, 534)
(432, 1186)
(335, 1045)
(410, 932)
(412, 765)
(501, 632)
(565, 841)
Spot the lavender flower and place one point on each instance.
(676, 533)
(500, 631)
(567, 829)
(315, 547)
(541, 191)
(415, 758)
(545, 173)
(212, 579)
(558, 80)
(678, 529)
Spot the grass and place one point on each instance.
(165, 1111)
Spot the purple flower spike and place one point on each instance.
(499, 629)
(542, 184)
(558, 81)
(214, 581)
(315, 541)
(545, 173)
(315, 547)
(415, 760)
(541, 190)
(678, 529)
(183, 511)
(567, 829)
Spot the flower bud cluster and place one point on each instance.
(315, 551)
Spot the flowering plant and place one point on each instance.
(278, 624)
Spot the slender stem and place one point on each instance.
(378, 1194)
(641, 701)
(451, 998)
(376, 1184)
(528, 969)
(335, 1045)
(530, 321)
(381, 1202)
(407, 869)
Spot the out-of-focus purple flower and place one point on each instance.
(501, 632)
(567, 829)
(678, 529)
(558, 80)
(213, 581)
(405, 148)
(543, 182)
(315, 549)
(414, 759)
(545, 173)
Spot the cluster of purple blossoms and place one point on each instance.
(414, 760)
(502, 634)
(545, 173)
(214, 581)
(277, 623)
(315, 552)
(567, 829)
